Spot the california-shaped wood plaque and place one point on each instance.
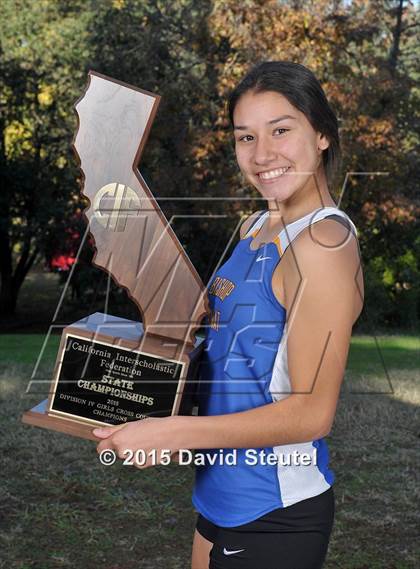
(111, 370)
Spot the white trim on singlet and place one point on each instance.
(291, 230)
(296, 482)
(257, 224)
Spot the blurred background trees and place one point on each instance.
(192, 52)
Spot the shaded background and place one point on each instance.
(192, 53)
(63, 508)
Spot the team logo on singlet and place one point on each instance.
(221, 287)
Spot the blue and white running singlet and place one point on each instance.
(245, 366)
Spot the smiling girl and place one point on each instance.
(283, 306)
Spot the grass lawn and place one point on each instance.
(59, 508)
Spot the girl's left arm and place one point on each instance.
(323, 298)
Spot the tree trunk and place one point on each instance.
(8, 297)
(11, 283)
(393, 55)
(7, 302)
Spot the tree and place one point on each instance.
(42, 63)
(363, 54)
(192, 54)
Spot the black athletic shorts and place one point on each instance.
(295, 537)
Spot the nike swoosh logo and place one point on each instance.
(226, 552)
(262, 258)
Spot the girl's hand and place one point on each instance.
(152, 435)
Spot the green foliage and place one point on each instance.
(192, 53)
(392, 289)
(43, 65)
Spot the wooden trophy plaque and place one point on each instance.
(111, 370)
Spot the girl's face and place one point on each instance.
(276, 147)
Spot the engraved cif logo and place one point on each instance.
(112, 205)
